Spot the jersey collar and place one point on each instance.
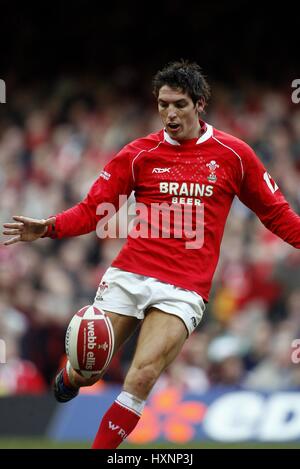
(205, 136)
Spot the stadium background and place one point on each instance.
(78, 87)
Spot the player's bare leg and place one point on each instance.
(160, 340)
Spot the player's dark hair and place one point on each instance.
(186, 76)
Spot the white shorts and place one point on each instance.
(132, 294)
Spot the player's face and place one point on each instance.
(178, 113)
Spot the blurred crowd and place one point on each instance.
(54, 141)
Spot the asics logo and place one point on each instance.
(161, 170)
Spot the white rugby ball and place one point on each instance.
(89, 341)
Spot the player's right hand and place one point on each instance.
(26, 229)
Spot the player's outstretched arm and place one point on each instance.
(26, 229)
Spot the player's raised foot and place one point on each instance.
(62, 392)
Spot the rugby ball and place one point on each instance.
(89, 341)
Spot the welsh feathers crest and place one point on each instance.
(212, 166)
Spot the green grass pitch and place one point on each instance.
(43, 443)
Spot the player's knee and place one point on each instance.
(140, 380)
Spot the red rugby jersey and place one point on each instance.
(210, 170)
